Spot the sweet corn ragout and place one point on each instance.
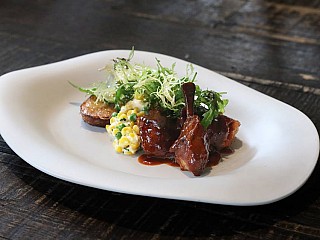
(123, 127)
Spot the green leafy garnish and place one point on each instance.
(209, 104)
(102, 90)
(158, 88)
(124, 94)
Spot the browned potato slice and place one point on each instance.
(96, 113)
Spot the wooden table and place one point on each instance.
(272, 46)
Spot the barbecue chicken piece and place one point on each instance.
(157, 134)
(221, 132)
(96, 113)
(191, 149)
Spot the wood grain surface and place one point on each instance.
(272, 46)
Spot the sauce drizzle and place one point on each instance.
(150, 160)
(214, 159)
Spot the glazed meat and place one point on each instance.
(96, 113)
(157, 134)
(191, 149)
(221, 132)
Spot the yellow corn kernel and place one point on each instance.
(123, 116)
(124, 141)
(115, 131)
(118, 149)
(112, 120)
(109, 128)
(132, 135)
(140, 114)
(129, 113)
(135, 146)
(131, 124)
(136, 110)
(126, 131)
(135, 129)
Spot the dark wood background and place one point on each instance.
(272, 46)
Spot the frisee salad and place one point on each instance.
(154, 88)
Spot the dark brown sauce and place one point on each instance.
(214, 159)
(150, 160)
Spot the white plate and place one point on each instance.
(276, 150)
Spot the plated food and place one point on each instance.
(170, 118)
(62, 146)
